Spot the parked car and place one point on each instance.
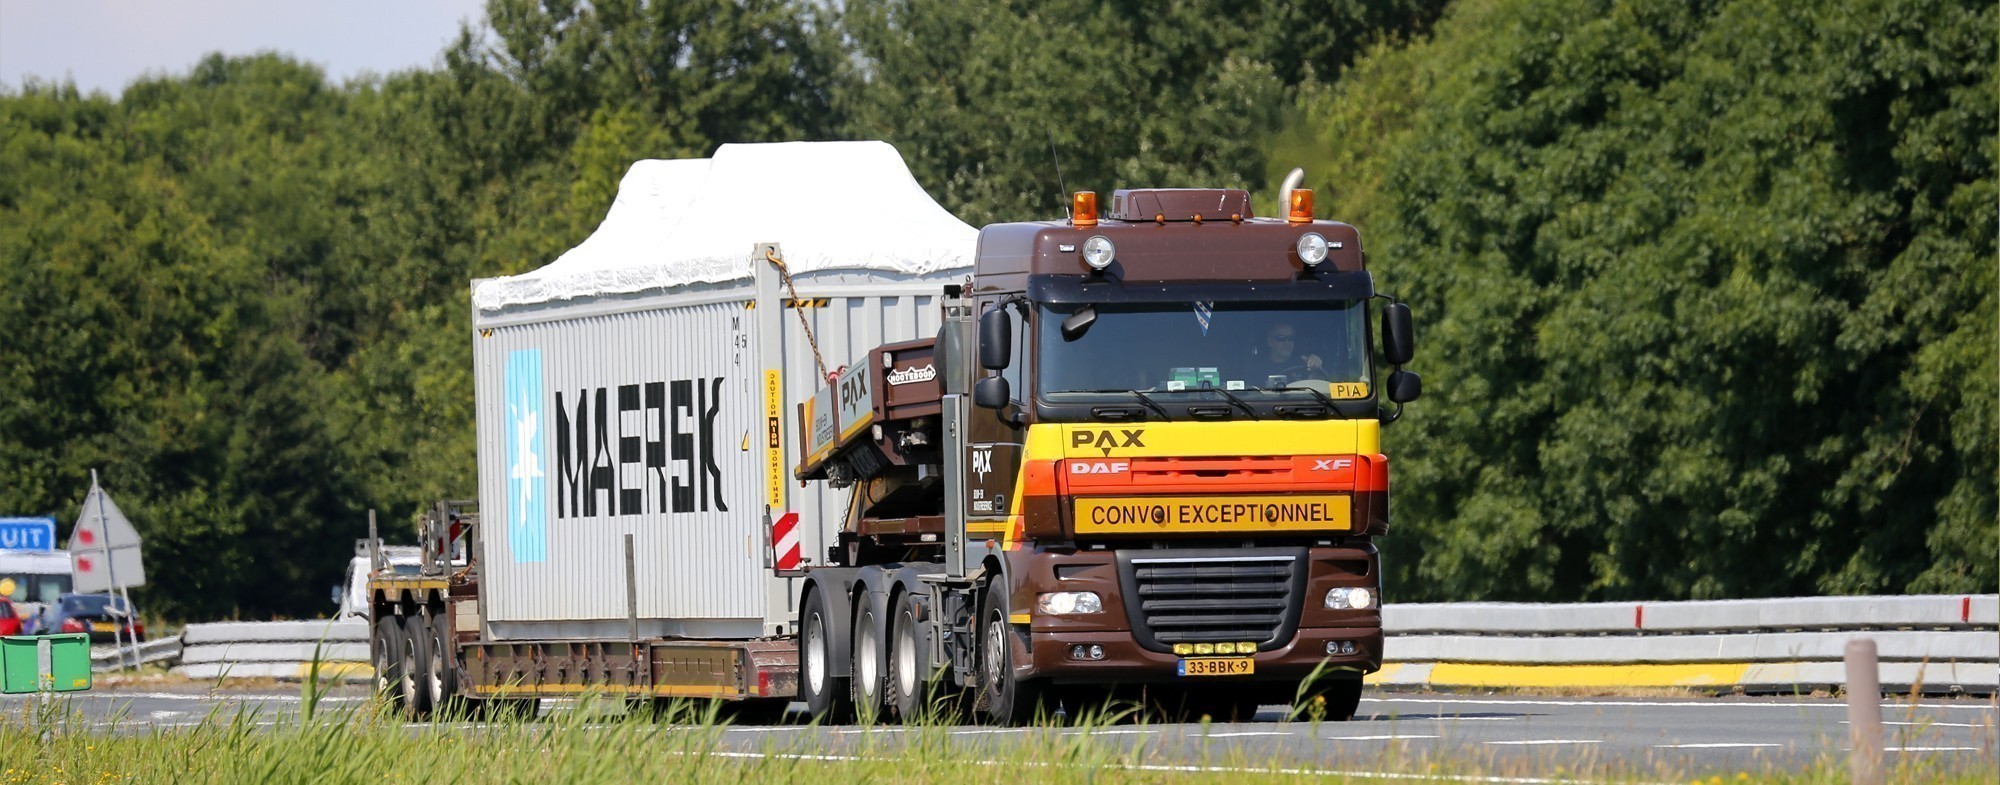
(97, 614)
(10, 618)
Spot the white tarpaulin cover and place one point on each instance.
(828, 205)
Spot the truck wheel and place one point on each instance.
(443, 668)
(416, 674)
(1009, 701)
(870, 665)
(825, 695)
(910, 674)
(1343, 698)
(389, 661)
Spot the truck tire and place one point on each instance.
(1343, 698)
(910, 676)
(1008, 700)
(389, 661)
(825, 695)
(416, 668)
(870, 666)
(445, 699)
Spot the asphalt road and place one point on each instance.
(1522, 736)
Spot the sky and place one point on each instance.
(105, 44)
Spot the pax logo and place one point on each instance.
(982, 462)
(1108, 439)
(1099, 467)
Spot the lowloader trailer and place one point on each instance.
(1129, 456)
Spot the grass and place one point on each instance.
(360, 741)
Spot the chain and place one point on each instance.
(786, 275)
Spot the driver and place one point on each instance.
(1278, 358)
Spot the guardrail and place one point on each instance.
(275, 649)
(1938, 643)
(104, 658)
(1934, 643)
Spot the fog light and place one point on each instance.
(1078, 652)
(1246, 648)
(1096, 652)
(1333, 647)
(1340, 647)
(1066, 602)
(1225, 648)
(1184, 649)
(1347, 647)
(1204, 648)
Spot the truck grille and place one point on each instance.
(1212, 596)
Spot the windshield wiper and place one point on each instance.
(1149, 402)
(1328, 402)
(1225, 393)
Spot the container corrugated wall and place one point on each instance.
(700, 570)
(846, 328)
(644, 425)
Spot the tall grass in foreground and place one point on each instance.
(595, 741)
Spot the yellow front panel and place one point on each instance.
(1203, 514)
(1230, 438)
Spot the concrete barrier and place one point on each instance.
(275, 650)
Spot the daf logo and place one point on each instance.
(1099, 467)
(1107, 439)
(1331, 464)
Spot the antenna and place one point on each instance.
(1062, 189)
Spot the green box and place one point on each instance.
(45, 663)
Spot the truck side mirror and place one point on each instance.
(1405, 386)
(990, 393)
(1399, 341)
(996, 338)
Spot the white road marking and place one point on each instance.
(852, 731)
(1935, 724)
(984, 731)
(1714, 746)
(1113, 732)
(1538, 742)
(1188, 769)
(1930, 749)
(1385, 737)
(1237, 734)
(1687, 704)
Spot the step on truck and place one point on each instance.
(886, 465)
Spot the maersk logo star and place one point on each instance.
(527, 465)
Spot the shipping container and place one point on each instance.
(626, 390)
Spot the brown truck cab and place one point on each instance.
(1153, 469)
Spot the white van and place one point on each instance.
(33, 579)
(352, 595)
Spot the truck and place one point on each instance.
(886, 466)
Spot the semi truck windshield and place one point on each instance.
(1251, 350)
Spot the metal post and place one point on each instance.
(374, 545)
(110, 569)
(631, 595)
(1864, 712)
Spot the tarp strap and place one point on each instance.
(771, 255)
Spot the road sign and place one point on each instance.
(104, 546)
(28, 534)
(44, 663)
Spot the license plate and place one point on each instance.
(1218, 666)
(101, 626)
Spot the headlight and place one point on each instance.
(1098, 252)
(1345, 598)
(1065, 602)
(1312, 248)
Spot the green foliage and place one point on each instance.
(1706, 290)
(1708, 294)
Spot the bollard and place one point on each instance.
(1864, 712)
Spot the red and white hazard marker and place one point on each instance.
(785, 542)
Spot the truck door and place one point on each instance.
(995, 437)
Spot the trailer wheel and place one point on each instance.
(825, 694)
(1009, 700)
(910, 675)
(416, 675)
(389, 661)
(871, 664)
(443, 667)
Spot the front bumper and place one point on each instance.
(1125, 661)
